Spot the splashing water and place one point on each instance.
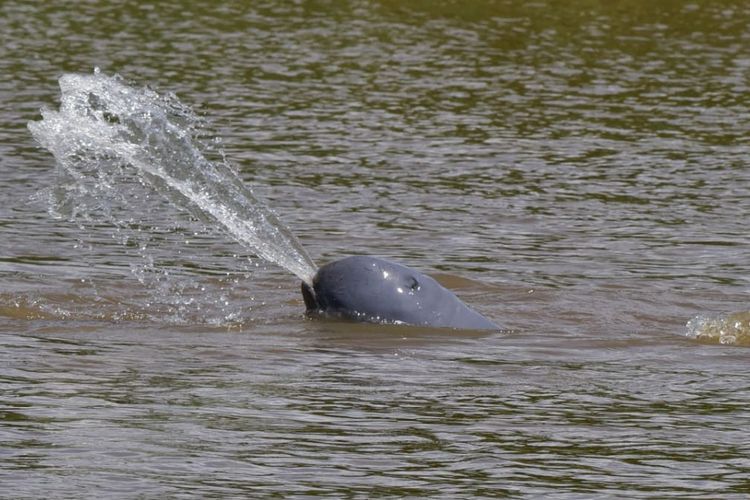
(732, 328)
(107, 134)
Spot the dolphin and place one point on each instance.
(368, 289)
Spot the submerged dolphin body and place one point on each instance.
(374, 290)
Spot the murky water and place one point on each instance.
(576, 172)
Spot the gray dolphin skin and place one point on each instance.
(368, 289)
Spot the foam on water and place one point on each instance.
(732, 328)
(108, 134)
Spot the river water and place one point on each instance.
(576, 171)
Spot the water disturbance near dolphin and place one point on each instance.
(729, 329)
(106, 129)
(107, 134)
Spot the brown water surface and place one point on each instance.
(575, 170)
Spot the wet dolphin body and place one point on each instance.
(374, 290)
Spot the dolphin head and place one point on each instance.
(369, 289)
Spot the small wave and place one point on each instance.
(729, 329)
